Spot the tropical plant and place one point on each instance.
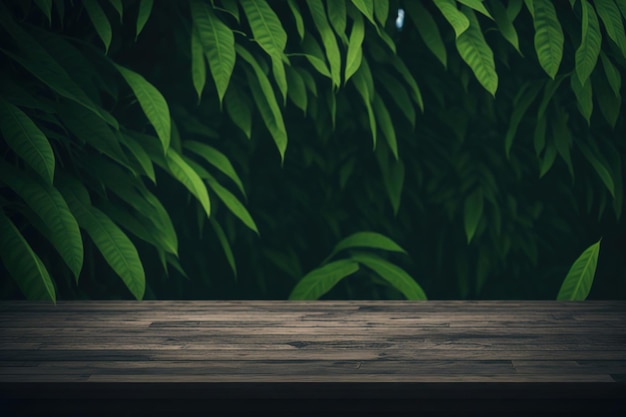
(219, 148)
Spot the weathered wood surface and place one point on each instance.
(357, 356)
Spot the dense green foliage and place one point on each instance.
(306, 149)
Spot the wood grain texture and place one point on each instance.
(241, 357)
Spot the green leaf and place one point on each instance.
(188, 177)
(371, 240)
(48, 205)
(453, 15)
(577, 283)
(549, 156)
(396, 276)
(521, 104)
(599, 164)
(584, 97)
(152, 103)
(145, 9)
(198, 68)
(217, 159)
(505, 25)
(613, 75)
(23, 264)
(141, 156)
(548, 36)
(218, 42)
(472, 213)
(46, 8)
(354, 55)
(474, 50)
(563, 137)
(383, 120)
(297, 89)
(221, 236)
(398, 94)
(589, 49)
(610, 16)
(27, 140)
(428, 30)
(338, 17)
(478, 6)
(119, 8)
(297, 15)
(43, 66)
(100, 22)
(266, 102)
(402, 69)
(361, 79)
(238, 108)
(393, 176)
(381, 11)
(609, 103)
(266, 27)
(115, 246)
(328, 39)
(321, 280)
(367, 8)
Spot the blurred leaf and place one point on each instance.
(100, 22)
(46, 8)
(599, 164)
(141, 156)
(338, 17)
(548, 36)
(614, 25)
(428, 30)
(579, 279)
(612, 74)
(297, 89)
(119, 8)
(27, 140)
(522, 102)
(367, 8)
(505, 24)
(584, 97)
(297, 15)
(406, 74)
(221, 236)
(472, 213)
(398, 95)
(371, 240)
(152, 103)
(238, 108)
(383, 119)
(396, 276)
(23, 264)
(217, 159)
(321, 280)
(198, 68)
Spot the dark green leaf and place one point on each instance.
(321, 280)
(145, 9)
(100, 22)
(589, 49)
(396, 276)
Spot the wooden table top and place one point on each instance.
(315, 350)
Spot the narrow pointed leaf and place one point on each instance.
(119, 8)
(383, 120)
(238, 108)
(428, 30)
(228, 252)
(367, 8)
(218, 42)
(548, 36)
(398, 94)
(589, 49)
(46, 8)
(613, 75)
(393, 274)
(478, 6)
(266, 27)
(584, 97)
(338, 17)
(599, 165)
(297, 90)
(505, 25)
(402, 69)
(115, 246)
(360, 82)
(321, 280)
(23, 264)
(328, 39)
(27, 140)
(48, 205)
(198, 67)
(577, 283)
(370, 240)
(189, 178)
(217, 159)
(521, 105)
(152, 103)
(453, 15)
(354, 55)
(474, 50)
(381, 11)
(100, 22)
(141, 156)
(297, 15)
(610, 15)
(145, 9)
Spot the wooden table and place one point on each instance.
(174, 358)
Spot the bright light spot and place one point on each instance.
(400, 19)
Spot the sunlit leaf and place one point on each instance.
(354, 55)
(217, 159)
(381, 11)
(27, 140)
(329, 40)
(152, 103)
(367, 8)
(394, 275)
(100, 22)
(297, 15)
(548, 36)
(188, 177)
(321, 280)
(478, 6)
(474, 50)
(578, 281)
(453, 15)
(218, 42)
(23, 264)
(589, 49)
(115, 246)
